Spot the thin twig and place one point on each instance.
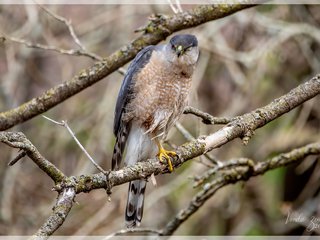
(17, 158)
(73, 52)
(83, 51)
(185, 133)
(179, 6)
(206, 117)
(188, 136)
(65, 124)
(67, 23)
(173, 8)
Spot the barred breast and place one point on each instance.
(160, 95)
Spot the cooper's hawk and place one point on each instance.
(152, 97)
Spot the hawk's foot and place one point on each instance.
(164, 155)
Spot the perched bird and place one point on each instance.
(152, 97)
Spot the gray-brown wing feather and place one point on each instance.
(121, 128)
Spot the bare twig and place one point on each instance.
(206, 117)
(17, 158)
(67, 23)
(65, 124)
(186, 134)
(173, 8)
(179, 6)
(243, 127)
(74, 52)
(176, 9)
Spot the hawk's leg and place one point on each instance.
(165, 154)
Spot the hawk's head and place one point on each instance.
(183, 49)
(183, 43)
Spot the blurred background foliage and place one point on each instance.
(247, 60)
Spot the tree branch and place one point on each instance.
(237, 174)
(19, 140)
(68, 25)
(206, 117)
(157, 30)
(245, 125)
(60, 212)
(65, 124)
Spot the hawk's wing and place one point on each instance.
(126, 88)
(121, 128)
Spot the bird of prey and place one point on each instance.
(152, 97)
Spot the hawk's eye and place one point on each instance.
(173, 47)
(188, 48)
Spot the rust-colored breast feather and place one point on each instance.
(160, 95)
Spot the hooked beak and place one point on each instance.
(179, 50)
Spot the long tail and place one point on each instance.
(134, 209)
(120, 144)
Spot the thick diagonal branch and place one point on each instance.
(157, 30)
(243, 126)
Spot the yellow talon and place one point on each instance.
(164, 154)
